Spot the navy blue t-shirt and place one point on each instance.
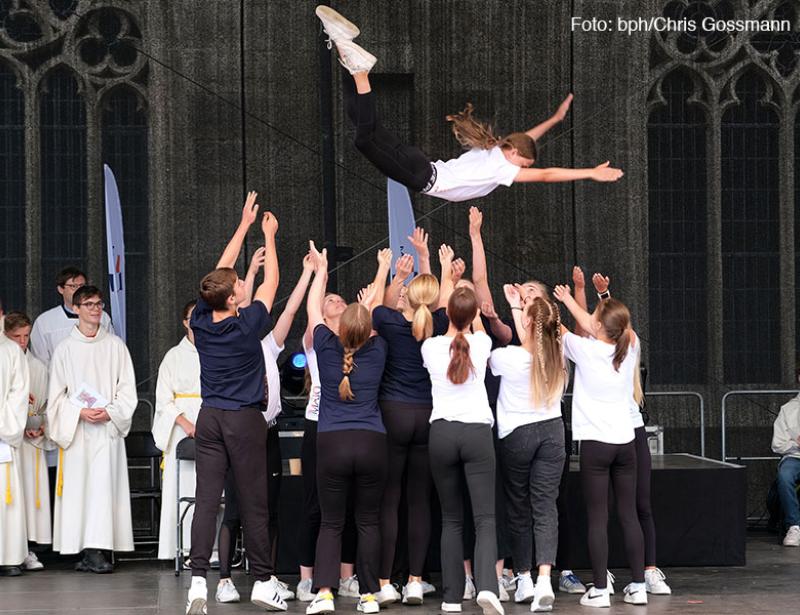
(232, 368)
(405, 378)
(362, 412)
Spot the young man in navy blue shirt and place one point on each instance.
(231, 430)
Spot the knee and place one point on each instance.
(786, 476)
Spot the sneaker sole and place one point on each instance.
(385, 601)
(197, 607)
(489, 608)
(525, 600)
(325, 610)
(545, 605)
(269, 606)
(572, 591)
(635, 603)
(347, 27)
(412, 601)
(652, 593)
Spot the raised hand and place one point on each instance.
(269, 224)
(367, 294)
(320, 258)
(562, 293)
(458, 268)
(475, 221)
(487, 309)
(446, 255)
(419, 239)
(404, 266)
(309, 262)
(577, 277)
(600, 282)
(385, 258)
(512, 295)
(250, 209)
(606, 173)
(563, 108)
(257, 261)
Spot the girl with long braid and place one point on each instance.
(531, 432)
(490, 161)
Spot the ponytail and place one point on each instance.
(460, 361)
(422, 323)
(345, 392)
(621, 347)
(470, 132)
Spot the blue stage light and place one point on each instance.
(299, 360)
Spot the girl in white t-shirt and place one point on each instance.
(490, 161)
(606, 365)
(531, 432)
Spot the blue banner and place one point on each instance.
(116, 253)
(401, 223)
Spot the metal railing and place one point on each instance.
(750, 392)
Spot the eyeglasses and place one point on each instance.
(93, 305)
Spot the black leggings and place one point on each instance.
(357, 458)
(643, 466)
(599, 461)
(403, 163)
(407, 427)
(308, 528)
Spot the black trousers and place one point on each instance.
(308, 528)
(236, 439)
(644, 465)
(403, 163)
(601, 462)
(407, 429)
(455, 447)
(350, 459)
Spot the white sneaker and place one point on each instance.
(387, 594)
(267, 595)
(792, 538)
(524, 591)
(285, 592)
(502, 592)
(197, 598)
(355, 58)
(635, 596)
(543, 596)
(427, 588)
(597, 598)
(569, 583)
(349, 587)
(368, 603)
(322, 603)
(226, 591)
(31, 562)
(610, 580)
(335, 25)
(451, 607)
(412, 593)
(469, 588)
(304, 593)
(490, 603)
(655, 583)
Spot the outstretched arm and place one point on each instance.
(256, 263)
(580, 296)
(403, 268)
(446, 284)
(582, 318)
(317, 291)
(249, 212)
(538, 130)
(515, 302)
(379, 283)
(480, 278)
(281, 330)
(600, 173)
(266, 291)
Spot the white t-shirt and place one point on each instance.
(54, 326)
(312, 408)
(472, 175)
(636, 415)
(514, 405)
(271, 353)
(602, 396)
(467, 402)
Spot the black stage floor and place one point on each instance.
(767, 585)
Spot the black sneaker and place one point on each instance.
(10, 571)
(94, 560)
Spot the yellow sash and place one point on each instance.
(187, 396)
(9, 499)
(60, 477)
(38, 501)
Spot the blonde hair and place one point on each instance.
(548, 376)
(355, 327)
(422, 295)
(472, 133)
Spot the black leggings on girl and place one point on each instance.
(599, 462)
(643, 466)
(407, 427)
(403, 163)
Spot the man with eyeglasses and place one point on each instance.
(91, 401)
(54, 325)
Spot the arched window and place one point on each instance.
(677, 189)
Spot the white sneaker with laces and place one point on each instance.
(387, 595)
(368, 604)
(322, 603)
(304, 593)
(226, 591)
(502, 592)
(597, 598)
(543, 596)
(792, 538)
(412, 593)
(286, 593)
(469, 588)
(267, 595)
(655, 583)
(348, 587)
(451, 607)
(335, 25)
(490, 603)
(197, 598)
(428, 588)
(635, 595)
(31, 562)
(355, 58)
(524, 591)
(610, 580)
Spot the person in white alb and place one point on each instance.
(14, 387)
(786, 443)
(33, 464)
(606, 377)
(91, 401)
(177, 405)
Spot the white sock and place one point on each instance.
(637, 587)
(543, 579)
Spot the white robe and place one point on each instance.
(54, 326)
(33, 464)
(177, 393)
(93, 506)
(14, 385)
